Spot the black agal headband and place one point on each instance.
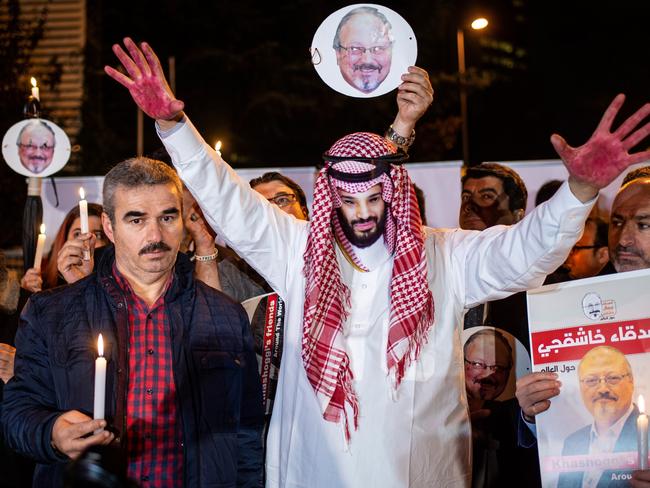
(381, 163)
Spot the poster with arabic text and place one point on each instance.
(595, 335)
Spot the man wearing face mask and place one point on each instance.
(493, 194)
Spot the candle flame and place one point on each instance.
(33, 80)
(217, 146)
(42, 228)
(82, 193)
(100, 346)
(641, 404)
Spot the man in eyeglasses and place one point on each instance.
(606, 387)
(283, 192)
(36, 146)
(364, 48)
(488, 360)
(590, 254)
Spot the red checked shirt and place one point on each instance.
(154, 432)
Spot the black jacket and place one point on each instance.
(215, 371)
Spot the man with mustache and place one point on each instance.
(488, 361)
(371, 389)
(36, 146)
(629, 229)
(492, 194)
(364, 48)
(606, 387)
(183, 396)
(629, 250)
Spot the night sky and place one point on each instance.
(243, 71)
(243, 68)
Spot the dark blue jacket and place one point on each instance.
(215, 371)
(578, 443)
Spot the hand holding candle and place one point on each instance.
(642, 434)
(40, 246)
(100, 381)
(83, 219)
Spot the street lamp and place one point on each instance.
(477, 24)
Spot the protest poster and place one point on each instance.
(266, 315)
(595, 334)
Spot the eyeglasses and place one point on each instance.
(32, 147)
(479, 366)
(580, 248)
(283, 199)
(610, 379)
(357, 51)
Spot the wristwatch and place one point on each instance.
(398, 140)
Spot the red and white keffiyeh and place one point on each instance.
(327, 299)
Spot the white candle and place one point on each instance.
(83, 211)
(35, 92)
(100, 380)
(40, 246)
(217, 147)
(642, 434)
(83, 220)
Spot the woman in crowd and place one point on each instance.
(66, 246)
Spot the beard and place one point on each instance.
(366, 238)
(636, 259)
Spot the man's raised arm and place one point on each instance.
(598, 162)
(414, 96)
(258, 231)
(261, 233)
(147, 83)
(520, 257)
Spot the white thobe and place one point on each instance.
(420, 435)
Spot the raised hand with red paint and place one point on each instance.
(146, 81)
(598, 162)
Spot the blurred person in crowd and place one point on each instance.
(67, 251)
(590, 254)
(283, 192)
(422, 204)
(547, 190)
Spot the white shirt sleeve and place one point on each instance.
(502, 260)
(265, 236)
